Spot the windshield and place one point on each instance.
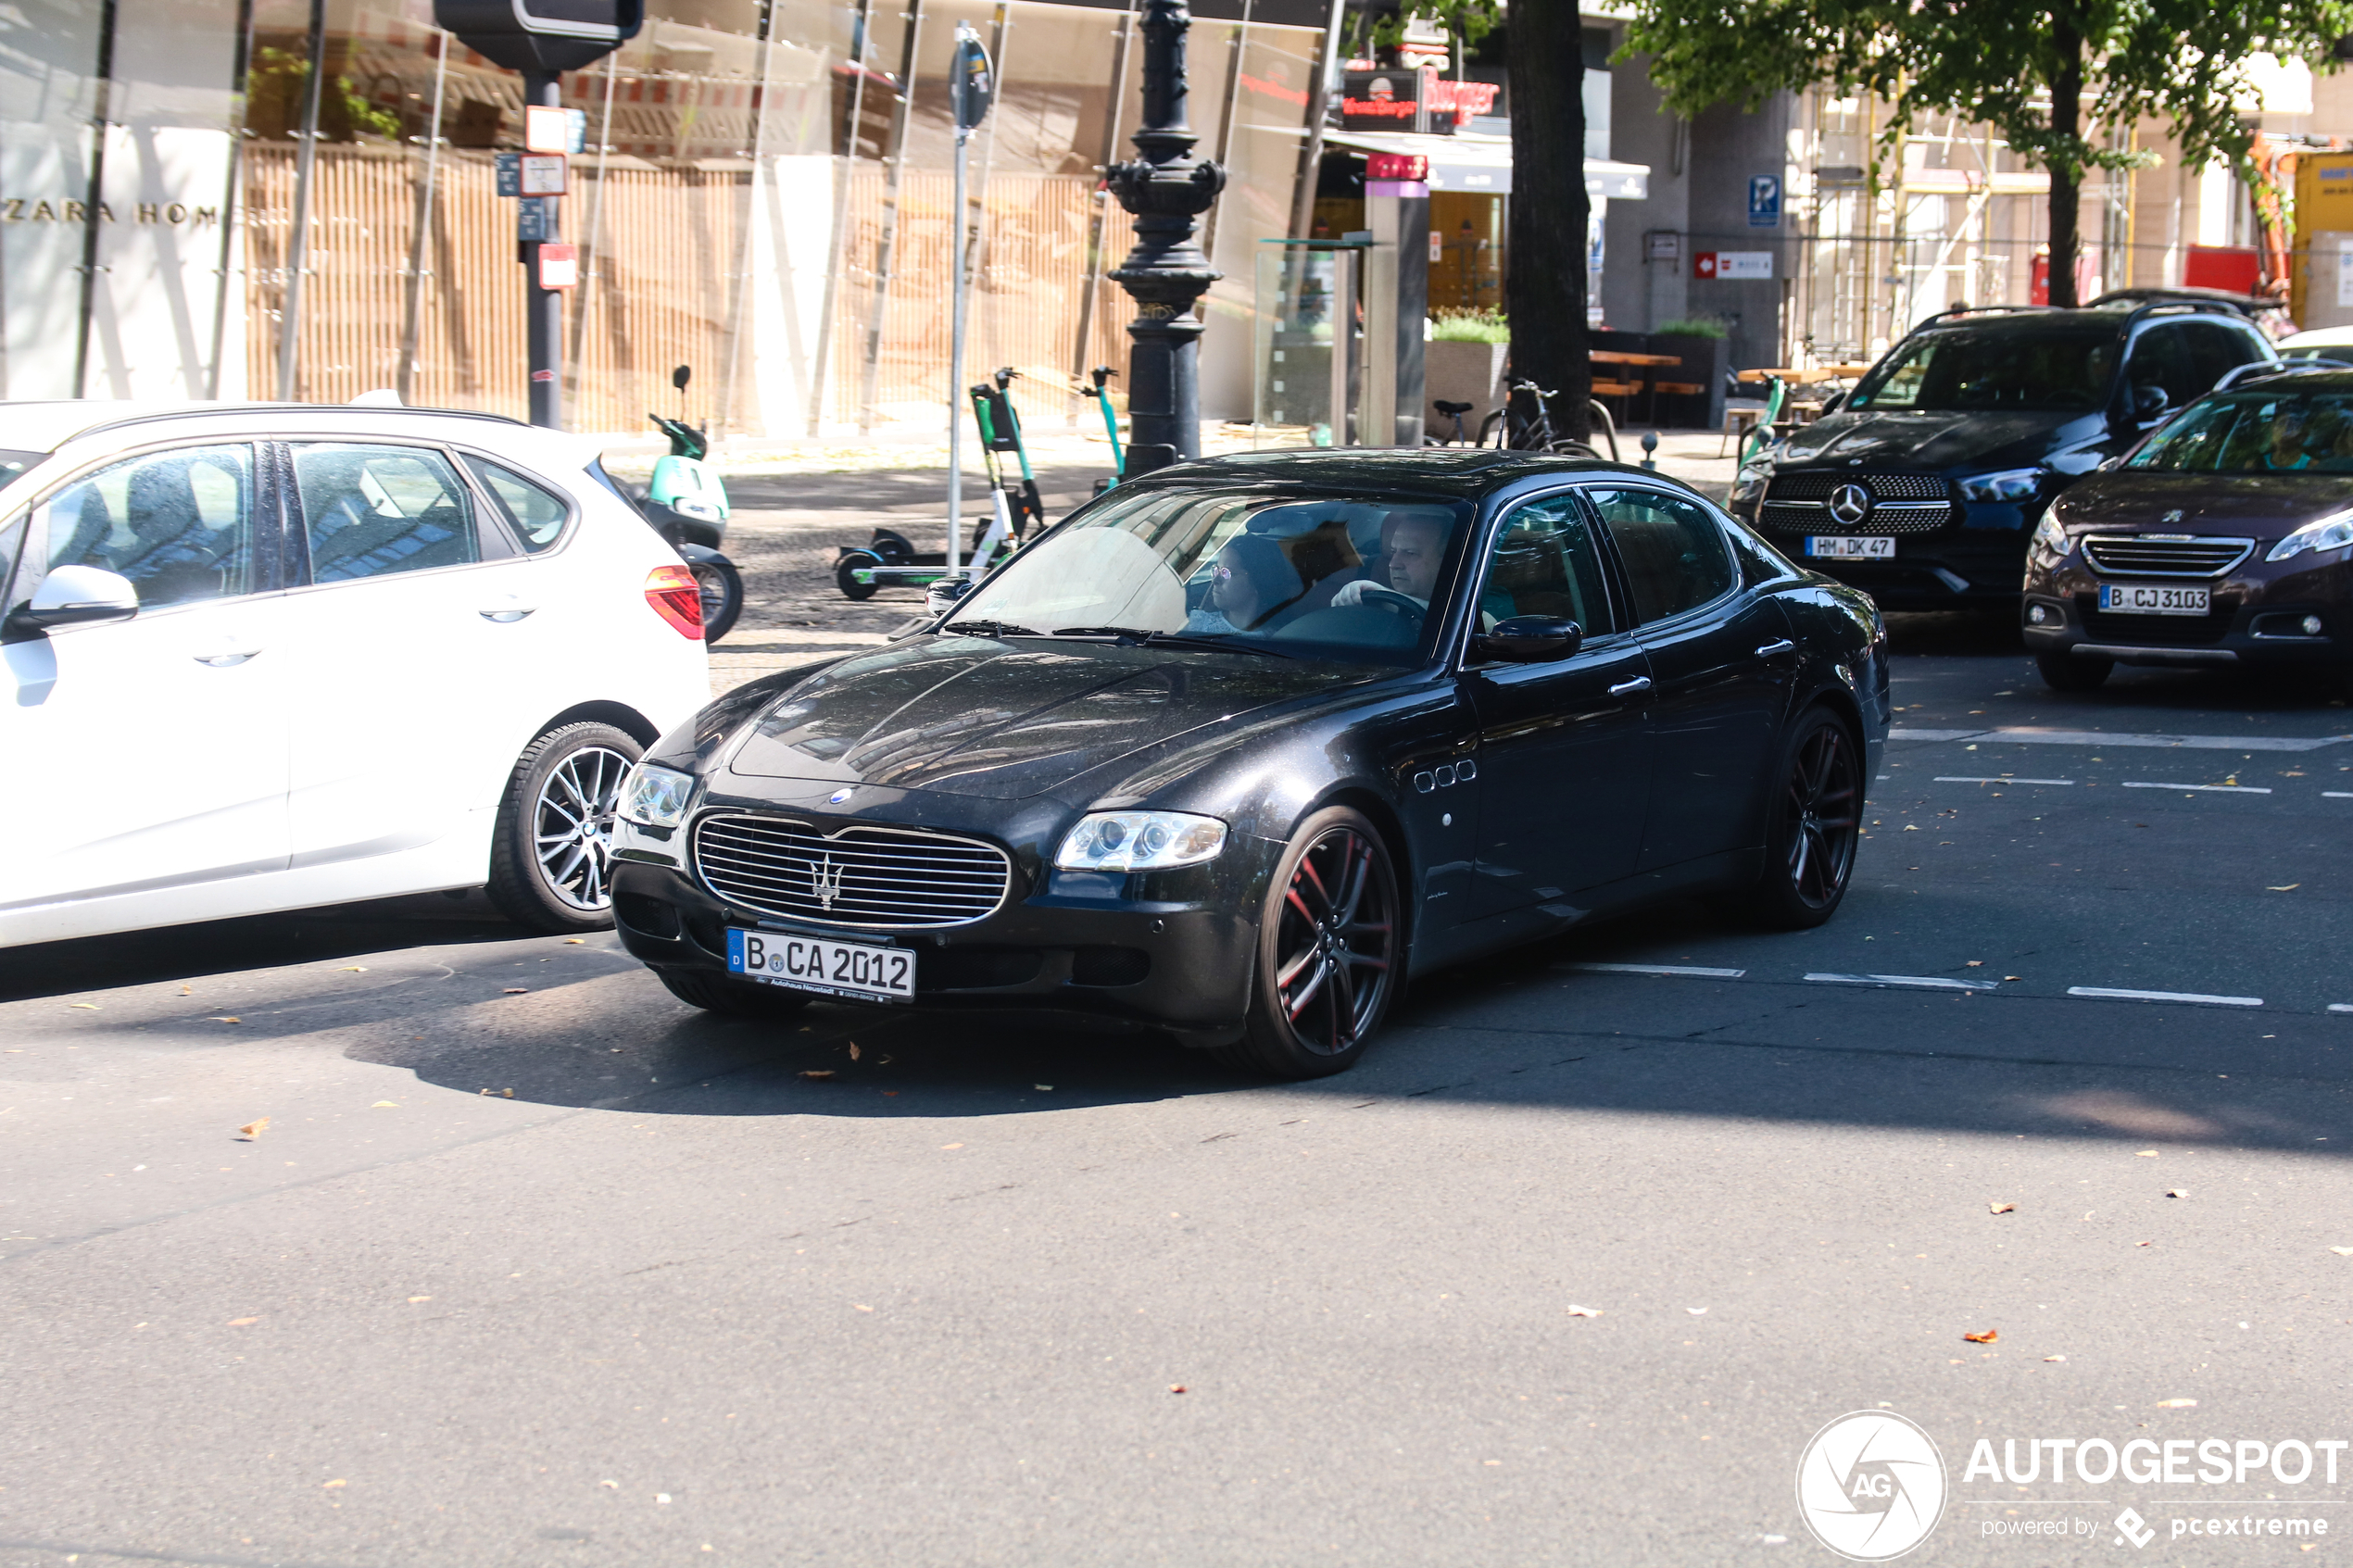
(1345, 577)
(2057, 370)
(2256, 433)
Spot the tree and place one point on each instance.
(1544, 283)
(2030, 68)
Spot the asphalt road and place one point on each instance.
(533, 1265)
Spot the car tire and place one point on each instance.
(1813, 823)
(732, 998)
(855, 561)
(2064, 671)
(1330, 951)
(550, 853)
(720, 589)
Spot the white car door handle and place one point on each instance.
(508, 613)
(226, 658)
(1774, 650)
(1628, 688)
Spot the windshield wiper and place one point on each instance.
(989, 628)
(1137, 636)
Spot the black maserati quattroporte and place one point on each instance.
(1236, 749)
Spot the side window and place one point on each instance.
(180, 525)
(1544, 562)
(371, 512)
(2216, 350)
(536, 514)
(1674, 554)
(2162, 358)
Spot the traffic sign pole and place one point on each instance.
(545, 307)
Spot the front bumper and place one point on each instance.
(1168, 949)
(1954, 567)
(2243, 628)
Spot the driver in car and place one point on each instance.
(1412, 545)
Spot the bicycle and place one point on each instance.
(1454, 411)
(1516, 433)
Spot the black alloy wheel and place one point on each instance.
(1330, 951)
(1813, 823)
(2065, 671)
(551, 852)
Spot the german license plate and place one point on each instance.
(1850, 546)
(2141, 598)
(857, 970)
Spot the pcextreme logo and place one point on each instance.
(1870, 1485)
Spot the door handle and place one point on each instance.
(508, 613)
(226, 659)
(1628, 688)
(1774, 650)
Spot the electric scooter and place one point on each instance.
(1099, 376)
(1019, 512)
(686, 504)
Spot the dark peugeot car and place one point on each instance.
(2223, 540)
(1234, 750)
(1921, 486)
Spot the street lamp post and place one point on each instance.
(1167, 273)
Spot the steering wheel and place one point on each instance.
(1404, 607)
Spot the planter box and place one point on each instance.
(1461, 372)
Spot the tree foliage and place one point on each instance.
(2034, 70)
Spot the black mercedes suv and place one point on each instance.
(1921, 486)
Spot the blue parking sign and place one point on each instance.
(1765, 201)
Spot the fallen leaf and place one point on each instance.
(2145, 1244)
(1576, 1311)
(91, 1006)
(1175, 1387)
(509, 1093)
(2177, 1404)
(862, 1308)
(330, 1486)
(355, 969)
(2177, 1192)
(661, 1496)
(242, 1322)
(854, 1050)
(1696, 1312)
(2055, 1358)
(516, 991)
(1043, 1088)
(614, 1484)
(414, 1299)
(1987, 1337)
(2003, 1208)
(187, 990)
(224, 1020)
(2289, 888)
(2343, 1251)
(2013, 978)
(575, 941)
(819, 1072)
(952, 1146)
(252, 1130)
(1976, 963)
(2145, 1154)
(385, 1105)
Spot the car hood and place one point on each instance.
(1006, 719)
(1972, 440)
(2255, 505)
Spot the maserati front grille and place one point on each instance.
(880, 879)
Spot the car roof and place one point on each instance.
(1466, 473)
(2288, 379)
(2319, 337)
(46, 426)
(2033, 320)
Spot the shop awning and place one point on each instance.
(1478, 165)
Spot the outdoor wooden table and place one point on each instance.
(1794, 377)
(1626, 389)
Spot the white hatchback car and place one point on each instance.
(262, 657)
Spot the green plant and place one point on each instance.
(1695, 326)
(1453, 324)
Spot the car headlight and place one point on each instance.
(2010, 484)
(1140, 841)
(656, 797)
(2329, 534)
(1751, 483)
(2051, 537)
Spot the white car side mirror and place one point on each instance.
(80, 596)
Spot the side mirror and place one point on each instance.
(2148, 401)
(1527, 639)
(945, 592)
(1831, 404)
(77, 595)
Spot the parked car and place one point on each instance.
(266, 657)
(2320, 342)
(1922, 485)
(1235, 749)
(2220, 541)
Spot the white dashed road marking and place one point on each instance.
(1655, 968)
(1954, 778)
(2107, 993)
(1924, 982)
(2216, 789)
(2029, 736)
(2341, 1007)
